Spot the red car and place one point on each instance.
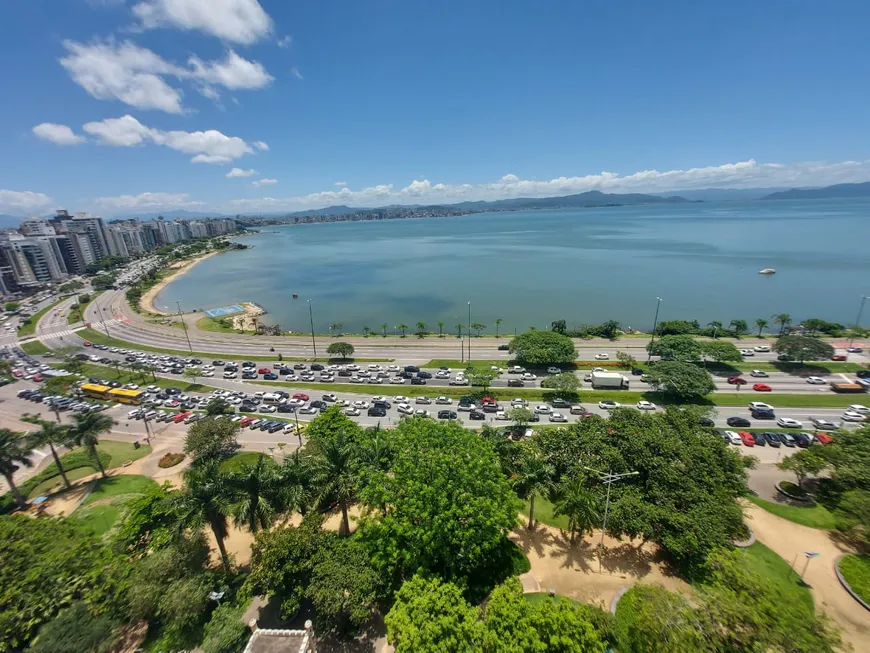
(761, 387)
(838, 357)
(263, 370)
(747, 437)
(824, 438)
(17, 374)
(737, 380)
(180, 417)
(301, 395)
(245, 421)
(38, 378)
(87, 343)
(487, 401)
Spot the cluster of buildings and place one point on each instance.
(40, 251)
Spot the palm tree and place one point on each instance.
(458, 330)
(577, 504)
(534, 476)
(86, 430)
(13, 454)
(384, 329)
(73, 364)
(760, 323)
(738, 326)
(716, 325)
(139, 369)
(498, 322)
(366, 331)
(205, 501)
(255, 491)
(333, 474)
(295, 483)
(421, 327)
(49, 435)
(441, 329)
(783, 320)
(477, 326)
(402, 326)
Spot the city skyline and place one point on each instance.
(244, 106)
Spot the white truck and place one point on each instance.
(609, 380)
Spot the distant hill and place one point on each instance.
(329, 210)
(588, 199)
(828, 192)
(169, 215)
(724, 194)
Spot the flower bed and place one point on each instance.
(170, 460)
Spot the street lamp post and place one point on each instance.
(655, 324)
(298, 430)
(469, 333)
(184, 325)
(105, 324)
(311, 318)
(608, 478)
(858, 319)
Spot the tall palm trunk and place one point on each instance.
(573, 528)
(225, 560)
(19, 498)
(345, 522)
(532, 512)
(96, 456)
(60, 468)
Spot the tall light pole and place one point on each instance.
(608, 478)
(655, 324)
(311, 318)
(461, 340)
(184, 324)
(858, 319)
(469, 333)
(105, 324)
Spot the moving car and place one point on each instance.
(608, 405)
(737, 380)
(377, 411)
(553, 370)
(476, 414)
(759, 374)
(645, 405)
(740, 422)
(558, 417)
(759, 405)
(838, 357)
(762, 348)
(602, 357)
(747, 352)
(446, 414)
(823, 424)
(789, 423)
(854, 350)
(816, 380)
(858, 408)
(761, 387)
(852, 416)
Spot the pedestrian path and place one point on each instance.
(54, 335)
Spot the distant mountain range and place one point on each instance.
(838, 191)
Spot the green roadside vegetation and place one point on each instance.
(141, 378)
(814, 516)
(778, 571)
(234, 463)
(28, 328)
(856, 571)
(104, 505)
(102, 339)
(35, 348)
(219, 325)
(77, 312)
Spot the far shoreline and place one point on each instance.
(146, 302)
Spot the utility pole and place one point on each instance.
(608, 478)
(184, 324)
(105, 324)
(858, 319)
(469, 333)
(311, 318)
(655, 324)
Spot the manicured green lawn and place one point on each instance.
(35, 348)
(30, 328)
(816, 516)
(856, 571)
(116, 486)
(56, 482)
(767, 563)
(97, 520)
(541, 597)
(121, 452)
(212, 325)
(234, 463)
(544, 513)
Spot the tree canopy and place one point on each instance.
(542, 348)
(676, 348)
(211, 438)
(802, 348)
(341, 349)
(721, 351)
(683, 380)
(564, 383)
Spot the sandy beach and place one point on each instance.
(146, 302)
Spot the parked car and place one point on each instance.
(446, 414)
(747, 438)
(816, 380)
(645, 405)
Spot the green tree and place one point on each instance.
(739, 327)
(721, 352)
(218, 406)
(564, 383)
(610, 329)
(206, 501)
(14, 454)
(86, 431)
(760, 324)
(51, 435)
(442, 476)
(803, 348)
(783, 320)
(421, 328)
(255, 494)
(333, 473)
(676, 348)
(650, 619)
(384, 329)
(716, 326)
(542, 348)
(411, 628)
(366, 331)
(149, 521)
(534, 476)
(402, 327)
(73, 364)
(225, 632)
(853, 516)
(579, 505)
(210, 439)
(683, 380)
(559, 326)
(625, 359)
(342, 349)
(458, 327)
(441, 329)
(520, 417)
(192, 374)
(498, 322)
(479, 327)
(803, 463)
(12, 306)
(75, 629)
(481, 376)
(297, 492)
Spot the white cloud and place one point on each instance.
(147, 201)
(238, 172)
(239, 21)
(23, 202)
(58, 134)
(124, 71)
(260, 145)
(210, 146)
(285, 41)
(743, 174)
(264, 182)
(340, 184)
(295, 72)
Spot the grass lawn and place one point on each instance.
(102, 339)
(856, 571)
(816, 516)
(544, 513)
(97, 520)
(115, 486)
(35, 348)
(536, 598)
(76, 313)
(776, 570)
(234, 463)
(56, 482)
(30, 328)
(212, 325)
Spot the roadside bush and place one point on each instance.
(225, 632)
(170, 460)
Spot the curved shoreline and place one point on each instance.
(146, 302)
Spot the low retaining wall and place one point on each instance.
(808, 500)
(845, 584)
(619, 594)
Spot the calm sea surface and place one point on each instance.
(529, 268)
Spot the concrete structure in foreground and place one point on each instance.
(267, 640)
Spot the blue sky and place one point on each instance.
(117, 107)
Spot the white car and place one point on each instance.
(733, 438)
(379, 398)
(467, 408)
(553, 370)
(759, 405)
(393, 368)
(518, 402)
(230, 375)
(330, 396)
(852, 416)
(501, 415)
(558, 417)
(459, 380)
(747, 352)
(405, 409)
(421, 413)
(602, 357)
(351, 412)
(517, 369)
(542, 409)
(344, 403)
(528, 376)
(759, 374)
(355, 379)
(858, 408)
(361, 404)
(152, 389)
(397, 380)
(608, 405)
(816, 380)
(401, 399)
(444, 401)
(422, 400)
(207, 367)
(789, 423)
(442, 374)
(762, 348)
(208, 373)
(645, 405)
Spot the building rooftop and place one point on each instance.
(278, 641)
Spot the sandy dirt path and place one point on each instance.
(789, 540)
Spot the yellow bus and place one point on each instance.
(123, 396)
(95, 390)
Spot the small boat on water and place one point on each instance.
(767, 271)
(295, 295)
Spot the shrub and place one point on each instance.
(225, 632)
(170, 460)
